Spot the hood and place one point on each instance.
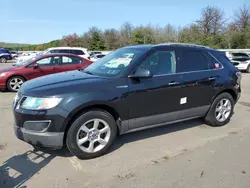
(6, 69)
(61, 83)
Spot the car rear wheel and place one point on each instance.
(221, 110)
(15, 83)
(3, 60)
(91, 134)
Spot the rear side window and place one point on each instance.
(60, 51)
(192, 60)
(69, 60)
(77, 52)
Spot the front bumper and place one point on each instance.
(52, 140)
(242, 66)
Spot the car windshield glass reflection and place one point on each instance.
(115, 63)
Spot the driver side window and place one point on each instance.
(160, 63)
(45, 62)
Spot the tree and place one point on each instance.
(71, 40)
(96, 41)
(211, 21)
(111, 39)
(242, 17)
(143, 35)
(126, 31)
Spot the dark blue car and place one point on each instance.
(5, 55)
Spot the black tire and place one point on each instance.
(210, 117)
(71, 140)
(9, 83)
(3, 60)
(248, 69)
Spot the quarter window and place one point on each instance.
(192, 61)
(160, 62)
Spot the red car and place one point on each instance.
(13, 77)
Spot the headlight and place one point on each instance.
(33, 103)
(3, 74)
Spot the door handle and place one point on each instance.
(173, 83)
(212, 78)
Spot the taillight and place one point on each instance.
(89, 58)
(239, 76)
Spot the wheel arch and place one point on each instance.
(11, 76)
(231, 91)
(77, 113)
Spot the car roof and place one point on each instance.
(67, 48)
(149, 46)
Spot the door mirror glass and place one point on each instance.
(141, 73)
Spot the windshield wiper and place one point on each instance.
(88, 72)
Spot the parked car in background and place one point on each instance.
(242, 63)
(154, 86)
(82, 52)
(14, 54)
(23, 57)
(5, 55)
(95, 57)
(13, 77)
(95, 53)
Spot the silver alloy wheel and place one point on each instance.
(93, 135)
(15, 83)
(223, 110)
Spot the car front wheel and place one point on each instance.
(221, 110)
(91, 134)
(15, 83)
(3, 60)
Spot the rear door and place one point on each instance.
(199, 73)
(45, 66)
(69, 63)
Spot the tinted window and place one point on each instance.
(192, 60)
(213, 63)
(60, 51)
(68, 60)
(160, 62)
(77, 52)
(240, 55)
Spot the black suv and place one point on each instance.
(130, 89)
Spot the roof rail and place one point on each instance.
(187, 44)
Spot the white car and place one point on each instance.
(82, 52)
(242, 63)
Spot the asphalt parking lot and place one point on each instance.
(23, 166)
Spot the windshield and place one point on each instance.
(116, 62)
(26, 61)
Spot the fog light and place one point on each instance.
(39, 126)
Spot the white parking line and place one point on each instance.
(75, 163)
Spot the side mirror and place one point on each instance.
(141, 73)
(35, 66)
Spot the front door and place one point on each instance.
(158, 99)
(42, 67)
